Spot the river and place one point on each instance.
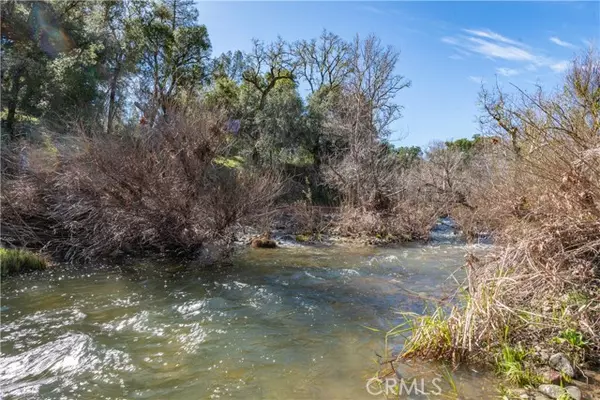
(287, 323)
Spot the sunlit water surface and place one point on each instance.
(288, 323)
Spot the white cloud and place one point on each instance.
(508, 71)
(477, 79)
(449, 40)
(456, 57)
(492, 45)
(560, 66)
(492, 35)
(531, 68)
(496, 50)
(561, 43)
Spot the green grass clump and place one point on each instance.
(431, 335)
(510, 364)
(564, 396)
(572, 337)
(15, 261)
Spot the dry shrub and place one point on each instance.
(414, 218)
(311, 220)
(383, 197)
(24, 222)
(541, 193)
(157, 189)
(405, 221)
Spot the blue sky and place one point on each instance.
(448, 49)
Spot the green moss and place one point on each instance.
(302, 238)
(231, 162)
(15, 261)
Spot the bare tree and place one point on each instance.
(364, 111)
(268, 65)
(323, 62)
(374, 83)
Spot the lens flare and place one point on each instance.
(52, 38)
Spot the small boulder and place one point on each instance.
(552, 391)
(264, 243)
(574, 392)
(551, 376)
(562, 364)
(543, 355)
(555, 391)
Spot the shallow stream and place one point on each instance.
(287, 323)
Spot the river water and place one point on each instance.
(287, 323)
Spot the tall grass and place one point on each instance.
(16, 261)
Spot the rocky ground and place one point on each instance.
(565, 381)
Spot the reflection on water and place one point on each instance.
(278, 324)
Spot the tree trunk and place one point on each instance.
(316, 152)
(112, 110)
(13, 101)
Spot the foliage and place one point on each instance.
(82, 57)
(54, 71)
(362, 169)
(174, 56)
(408, 155)
(432, 334)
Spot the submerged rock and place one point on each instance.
(264, 243)
(561, 363)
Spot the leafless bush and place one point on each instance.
(157, 189)
(310, 219)
(360, 168)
